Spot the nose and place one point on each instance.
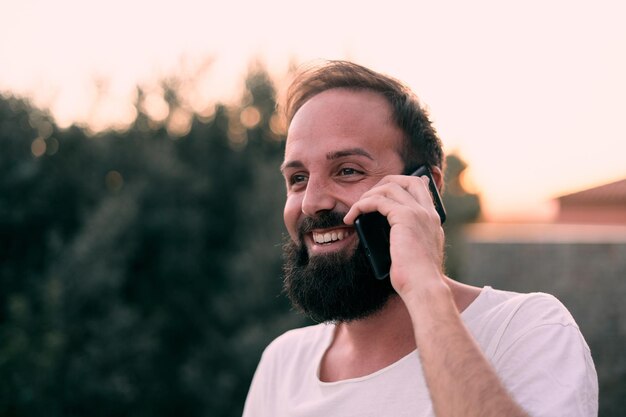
(318, 197)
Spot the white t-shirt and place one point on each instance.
(531, 339)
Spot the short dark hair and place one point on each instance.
(421, 145)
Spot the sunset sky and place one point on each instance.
(531, 95)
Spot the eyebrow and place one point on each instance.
(331, 156)
(348, 152)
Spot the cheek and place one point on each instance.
(291, 214)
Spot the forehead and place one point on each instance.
(340, 118)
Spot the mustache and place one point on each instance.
(323, 220)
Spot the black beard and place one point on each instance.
(335, 287)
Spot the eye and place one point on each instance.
(349, 171)
(296, 179)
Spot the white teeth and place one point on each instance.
(329, 236)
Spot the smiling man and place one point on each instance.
(418, 343)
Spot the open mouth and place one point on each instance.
(330, 236)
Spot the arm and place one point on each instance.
(460, 379)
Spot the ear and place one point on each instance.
(438, 177)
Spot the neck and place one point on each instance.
(391, 326)
(365, 346)
(393, 323)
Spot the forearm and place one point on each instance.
(460, 379)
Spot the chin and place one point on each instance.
(333, 286)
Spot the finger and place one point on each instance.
(369, 204)
(372, 200)
(411, 183)
(402, 189)
(393, 191)
(388, 207)
(423, 194)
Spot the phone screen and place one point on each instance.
(374, 230)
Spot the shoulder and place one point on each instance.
(299, 344)
(539, 352)
(525, 308)
(286, 362)
(500, 319)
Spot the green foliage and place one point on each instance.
(140, 271)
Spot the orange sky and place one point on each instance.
(533, 96)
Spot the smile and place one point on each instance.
(329, 236)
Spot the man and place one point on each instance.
(418, 343)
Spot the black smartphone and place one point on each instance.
(373, 229)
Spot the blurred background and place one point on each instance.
(141, 202)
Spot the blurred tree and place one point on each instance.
(140, 270)
(37, 215)
(462, 207)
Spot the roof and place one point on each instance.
(526, 233)
(608, 194)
